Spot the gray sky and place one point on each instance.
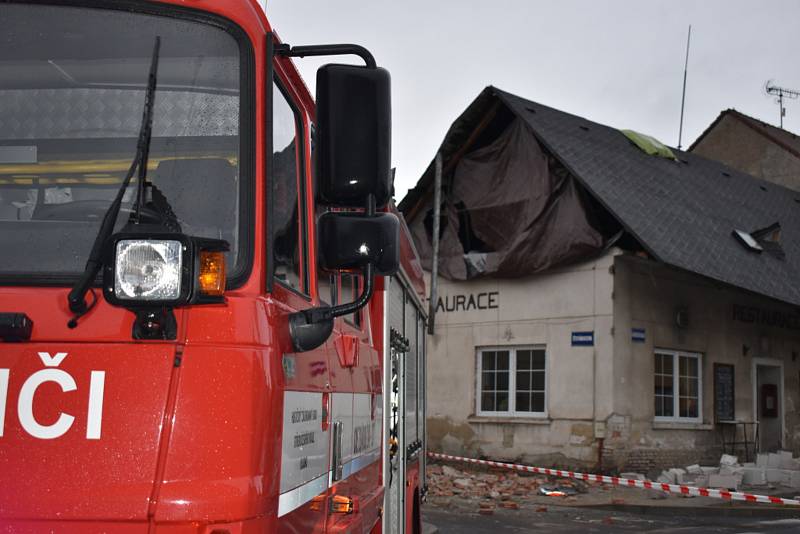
(618, 63)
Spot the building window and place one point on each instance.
(511, 381)
(678, 386)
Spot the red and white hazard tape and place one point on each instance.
(627, 482)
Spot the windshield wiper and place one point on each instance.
(77, 295)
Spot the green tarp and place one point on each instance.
(649, 145)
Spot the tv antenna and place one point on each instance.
(781, 93)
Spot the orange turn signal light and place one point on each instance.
(342, 505)
(316, 503)
(212, 273)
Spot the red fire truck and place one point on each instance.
(210, 314)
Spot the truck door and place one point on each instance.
(357, 410)
(307, 398)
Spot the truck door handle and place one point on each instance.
(336, 459)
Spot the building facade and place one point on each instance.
(614, 362)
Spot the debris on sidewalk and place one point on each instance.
(495, 488)
(770, 469)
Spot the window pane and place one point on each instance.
(502, 381)
(523, 360)
(538, 381)
(286, 244)
(487, 402)
(537, 402)
(523, 380)
(523, 402)
(669, 406)
(663, 385)
(487, 362)
(502, 359)
(667, 363)
(488, 382)
(502, 402)
(688, 407)
(538, 359)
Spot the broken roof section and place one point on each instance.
(682, 212)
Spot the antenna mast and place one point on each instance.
(781, 93)
(683, 94)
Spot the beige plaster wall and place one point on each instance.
(539, 310)
(647, 295)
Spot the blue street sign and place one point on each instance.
(637, 335)
(583, 339)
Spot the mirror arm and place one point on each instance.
(326, 50)
(310, 328)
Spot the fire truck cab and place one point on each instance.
(211, 315)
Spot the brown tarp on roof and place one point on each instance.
(510, 212)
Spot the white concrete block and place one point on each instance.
(787, 462)
(666, 477)
(710, 470)
(774, 461)
(762, 460)
(754, 476)
(794, 479)
(633, 476)
(727, 459)
(774, 476)
(730, 470)
(723, 481)
(693, 479)
(694, 469)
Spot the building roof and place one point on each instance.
(683, 212)
(783, 138)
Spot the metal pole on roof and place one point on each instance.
(437, 209)
(683, 94)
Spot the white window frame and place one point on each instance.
(676, 354)
(512, 381)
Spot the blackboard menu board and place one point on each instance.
(724, 398)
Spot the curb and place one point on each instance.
(697, 511)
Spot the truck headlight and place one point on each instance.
(162, 270)
(148, 270)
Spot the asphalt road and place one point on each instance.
(590, 521)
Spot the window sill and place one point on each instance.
(505, 420)
(681, 425)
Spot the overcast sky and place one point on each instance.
(618, 63)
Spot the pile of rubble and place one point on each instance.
(505, 489)
(771, 469)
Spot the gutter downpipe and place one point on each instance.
(437, 204)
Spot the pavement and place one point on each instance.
(463, 518)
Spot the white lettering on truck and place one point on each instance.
(27, 419)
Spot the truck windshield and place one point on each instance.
(72, 83)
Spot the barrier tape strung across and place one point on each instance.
(627, 482)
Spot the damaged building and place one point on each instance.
(603, 300)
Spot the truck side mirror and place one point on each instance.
(354, 139)
(353, 170)
(350, 241)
